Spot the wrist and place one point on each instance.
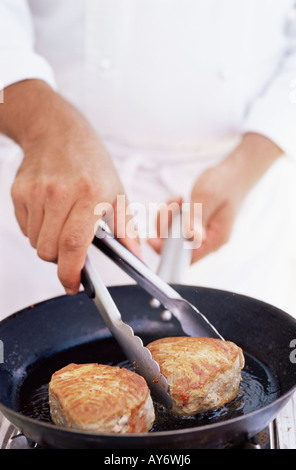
(34, 112)
(251, 159)
(22, 113)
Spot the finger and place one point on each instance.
(28, 202)
(156, 244)
(35, 219)
(48, 239)
(20, 208)
(21, 214)
(164, 219)
(218, 232)
(193, 224)
(203, 225)
(125, 226)
(165, 215)
(133, 245)
(75, 238)
(29, 209)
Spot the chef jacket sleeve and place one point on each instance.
(18, 60)
(273, 113)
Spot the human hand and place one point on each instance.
(220, 190)
(65, 173)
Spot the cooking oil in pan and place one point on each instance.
(258, 388)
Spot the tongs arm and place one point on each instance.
(134, 267)
(192, 321)
(139, 356)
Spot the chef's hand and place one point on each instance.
(64, 174)
(221, 190)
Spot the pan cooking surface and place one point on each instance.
(259, 387)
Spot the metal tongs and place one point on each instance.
(193, 322)
(139, 357)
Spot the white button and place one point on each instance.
(105, 63)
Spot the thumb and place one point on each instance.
(125, 226)
(121, 223)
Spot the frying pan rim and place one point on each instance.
(153, 434)
(173, 285)
(283, 313)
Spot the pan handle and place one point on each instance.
(176, 253)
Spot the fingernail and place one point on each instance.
(69, 291)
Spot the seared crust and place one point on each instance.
(100, 398)
(203, 373)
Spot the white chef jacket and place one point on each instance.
(170, 86)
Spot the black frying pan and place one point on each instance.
(39, 340)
